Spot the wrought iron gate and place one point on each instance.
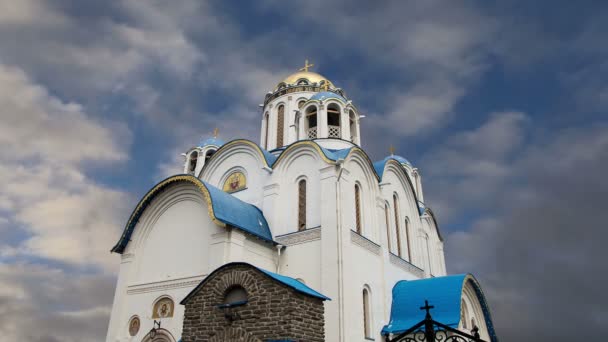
(429, 330)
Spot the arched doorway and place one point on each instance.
(162, 335)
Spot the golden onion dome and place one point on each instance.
(312, 77)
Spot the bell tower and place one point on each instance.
(308, 106)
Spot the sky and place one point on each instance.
(501, 105)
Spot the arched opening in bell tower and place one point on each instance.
(333, 121)
(310, 122)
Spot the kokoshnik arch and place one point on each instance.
(308, 208)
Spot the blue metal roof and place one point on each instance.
(325, 95)
(295, 284)
(379, 165)
(222, 207)
(239, 214)
(285, 280)
(211, 141)
(444, 293)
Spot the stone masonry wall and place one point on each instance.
(274, 311)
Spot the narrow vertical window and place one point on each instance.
(358, 208)
(267, 123)
(367, 324)
(280, 124)
(396, 207)
(388, 226)
(302, 205)
(193, 160)
(407, 239)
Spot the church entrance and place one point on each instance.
(161, 335)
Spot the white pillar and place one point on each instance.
(322, 130)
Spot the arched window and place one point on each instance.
(208, 155)
(266, 125)
(333, 120)
(280, 125)
(396, 208)
(311, 122)
(235, 295)
(353, 126)
(358, 208)
(367, 317)
(193, 159)
(301, 103)
(407, 239)
(388, 226)
(302, 204)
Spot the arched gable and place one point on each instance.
(265, 158)
(223, 209)
(397, 169)
(428, 211)
(443, 292)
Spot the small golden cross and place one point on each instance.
(392, 150)
(216, 132)
(306, 66)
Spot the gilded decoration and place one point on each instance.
(163, 308)
(235, 182)
(134, 325)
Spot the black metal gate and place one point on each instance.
(429, 330)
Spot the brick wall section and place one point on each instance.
(274, 311)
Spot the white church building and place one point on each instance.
(307, 203)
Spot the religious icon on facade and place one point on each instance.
(163, 308)
(235, 182)
(134, 325)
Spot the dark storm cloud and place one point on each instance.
(540, 253)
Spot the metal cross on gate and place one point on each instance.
(429, 330)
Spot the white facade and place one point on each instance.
(175, 242)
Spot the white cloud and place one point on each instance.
(46, 144)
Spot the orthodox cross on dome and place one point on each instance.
(392, 150)
(306, 66)
(216, 132)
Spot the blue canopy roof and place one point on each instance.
(285, 280)
(295, 284)
(444, 293)
(211, 141)
(223, 208)
(324, 95)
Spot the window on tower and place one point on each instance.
(302, 204)
(333, 121)
(193, 160)
(266, 125)
(280, 124)
(311, 122)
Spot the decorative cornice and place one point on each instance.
(166, 285)
(296, 238)
(364, 242)
(407, 266)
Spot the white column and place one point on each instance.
(358, 127)
(322, 131)
(344, 125)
